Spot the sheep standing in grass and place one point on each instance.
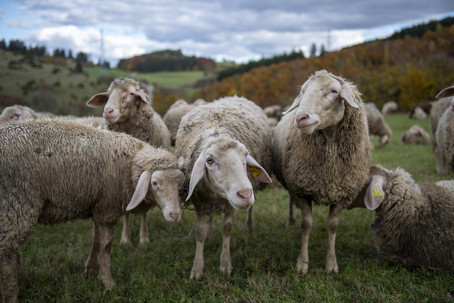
(414, 223)
(321, 154)
(54, 171)
(377, 124)
(128, 110)
(415, 135)
(218, 146)
(174, 114)
(389, 107)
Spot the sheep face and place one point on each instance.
(120, 102)
(224, 168)
(320, 103)
(164, 186)
(14, 113)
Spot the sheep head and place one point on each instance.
(321, 102)
(163, 185)
(16, 112)
(224, 165)
(120, 101)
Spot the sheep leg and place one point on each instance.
(226, 260)
(22, 277)
(126, 231)
(302, 264)
(210, 233)
(440, 161)
(143, 234)
(291, 212)
(8, 277)
(202, 227)
(105, 254)
(332, 223)
(92, 260)
(249, 219)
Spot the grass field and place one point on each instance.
(264, 261)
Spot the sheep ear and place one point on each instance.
(143, 96)
(141, 190)
(446, 92)
(198, 171)
(98, 100)
(375, 193)
(348, 95)
(257, 170)
(295, 104)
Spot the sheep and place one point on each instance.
(444, 151)
(389, 107)
(127, 109)
(438, 109)
(321, 154)
(415, 135)
(218, 145)
(414, 223)
(377, 124)
(273, 111)
(20, 112)
(421, 110)
(174, 114)
(23, 113)
(54, 171)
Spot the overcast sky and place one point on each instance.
(238, 30)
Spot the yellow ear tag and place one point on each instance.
(189, 177)
(377, 193)
(354, 99)
(255, 171)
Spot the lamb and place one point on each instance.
(389, 107)
(218, 145)
(414, 223)
(174, 114)
(321, 154)
(127, 109)
(377, 124)
(69, 171)
(444, 150)
(415, 135)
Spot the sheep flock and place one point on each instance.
(209, 158)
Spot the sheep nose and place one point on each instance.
(301, 118)
(175, 216)
(108, 110)
(245, 194)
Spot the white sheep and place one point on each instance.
(389, 107)
(321, 153)
(218, 146)
(415, 135)
(127, 109)
(444, 152)
(174, 114)
(54, 171)
(414, 223)
(377, 124)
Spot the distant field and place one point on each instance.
(264, 261)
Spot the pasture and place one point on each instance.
(264, 261)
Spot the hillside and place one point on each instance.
(408, 70)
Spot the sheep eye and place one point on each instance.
(333, 91)
(154, 183)
(210, 161)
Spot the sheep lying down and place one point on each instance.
(54, 171)
(414, 223)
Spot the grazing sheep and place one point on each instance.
(273, 111)
(54, 171)
(444, 150)
(174, 114)
(377, 124)
(321, 154)
(414, 223)
(218, 146)
(20, 112)
(438, 108)
(389, 107)
(421, 111)
(127, 109)
(415, 135)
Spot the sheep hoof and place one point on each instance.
(302, 267)
(144, 241)
(196, 275)
(108, 284)
(126, 242)
(332, 268)
(226, 269)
